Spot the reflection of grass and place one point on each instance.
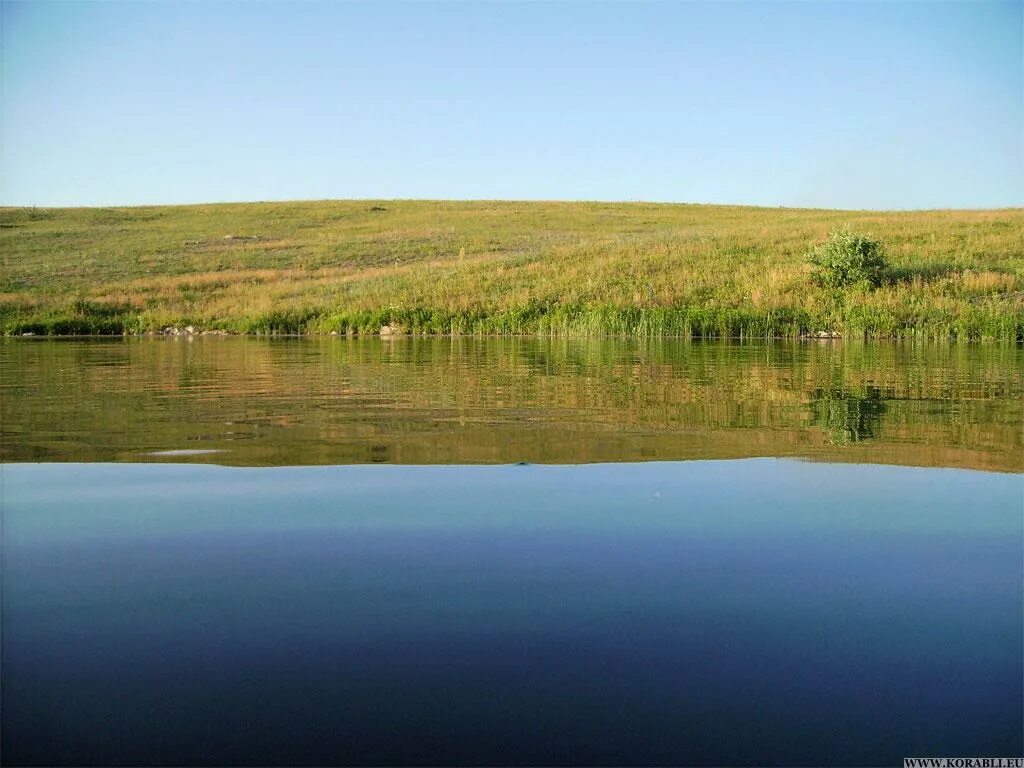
(504, 268)
(467, 400)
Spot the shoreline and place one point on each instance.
(837, 339)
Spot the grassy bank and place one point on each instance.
(502, 268)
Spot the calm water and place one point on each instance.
(466, 401)
(235, 551)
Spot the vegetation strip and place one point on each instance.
(580, 269)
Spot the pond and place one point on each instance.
(510, 551)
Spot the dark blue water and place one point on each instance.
(698, 613)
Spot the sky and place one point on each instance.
(844, 104)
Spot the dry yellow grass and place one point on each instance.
(502, 267)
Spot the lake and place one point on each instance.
(510, 551)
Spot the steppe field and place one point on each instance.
(424, 267)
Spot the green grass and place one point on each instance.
(586, 269)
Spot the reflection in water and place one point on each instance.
(849, 418)
(468, 400)
(762, 611)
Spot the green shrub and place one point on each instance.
(847, 259)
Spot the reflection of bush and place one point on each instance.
(849, 418)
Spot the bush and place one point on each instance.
(847, 259)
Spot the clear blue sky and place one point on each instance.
(858, 104)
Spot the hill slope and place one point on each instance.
(501, 267)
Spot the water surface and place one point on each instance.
(468, 401)
(181, 585)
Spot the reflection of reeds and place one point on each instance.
(502, 268)
(505, 400)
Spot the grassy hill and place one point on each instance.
(502, 268)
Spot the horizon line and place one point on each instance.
(549, 201)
